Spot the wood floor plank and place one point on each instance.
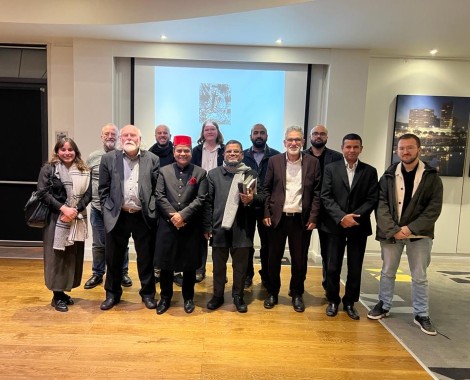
(131, 342)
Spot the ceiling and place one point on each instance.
(401, 28)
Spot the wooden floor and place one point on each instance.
(130, 341)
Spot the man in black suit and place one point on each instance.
(318, 139)
(349, 195)
(127, 182)
(292, 187)
(256, 157)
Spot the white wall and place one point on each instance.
(94, 82)
(360, 98)
(391, 77)
(60, 92)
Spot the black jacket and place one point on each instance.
(249, 160)
(165, 154)
(421, 213)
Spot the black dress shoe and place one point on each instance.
(200, 277)
(108, 303)
(163, 306)
(68, 300)
(93, 281)
(150, 303)
(270, 301)
(240, 304)
(332, 309)
(189, 306)
(352, 312)
(126, 280)
(215, 302)
(298, 304)
(59, 305)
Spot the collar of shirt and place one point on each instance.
(131, 158)
(347, 165)
(293, 162)
(258, 152)
(204, 146)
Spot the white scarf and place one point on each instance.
(233, 198)
(76, 184)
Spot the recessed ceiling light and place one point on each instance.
(433, 51)
(163, 37)
(279, 41)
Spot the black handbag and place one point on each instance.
(37, 212)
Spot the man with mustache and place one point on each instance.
(229, 216)
(349, 195)
(256, 157)
(292, 188)
(127, 194)
(109, 135)
(318, 139)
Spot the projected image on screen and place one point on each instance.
(215, 103)
(184, 94)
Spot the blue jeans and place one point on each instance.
(97, 248)
(419, 258)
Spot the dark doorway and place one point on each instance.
(23, 108)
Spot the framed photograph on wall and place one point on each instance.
(441, 123)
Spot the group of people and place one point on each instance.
(175, 198)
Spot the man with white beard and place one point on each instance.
(127, 186)
(109, 136)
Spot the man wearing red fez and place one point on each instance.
(181, 193)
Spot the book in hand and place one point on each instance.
(248, 183)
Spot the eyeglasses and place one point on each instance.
(232, 151)
(297, 140)
(321, 134)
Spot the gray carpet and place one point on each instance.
(447, 355)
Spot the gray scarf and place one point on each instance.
(233, 198)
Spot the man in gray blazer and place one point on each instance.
(127, 182)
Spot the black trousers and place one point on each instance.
(115, 250)
(203, 248)
(356, 246)
(290, 229)
(239, 264)
(166, 284)
(324, 255)
(263, 250)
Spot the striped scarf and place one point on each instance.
(76, 184)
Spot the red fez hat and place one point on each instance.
(182, 140)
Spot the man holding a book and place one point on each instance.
(230, 215)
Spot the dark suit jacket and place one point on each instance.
(330, 155)
(111, 186)
(339, 199)
(275, 188)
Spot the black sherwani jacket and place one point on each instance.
(183, 191)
